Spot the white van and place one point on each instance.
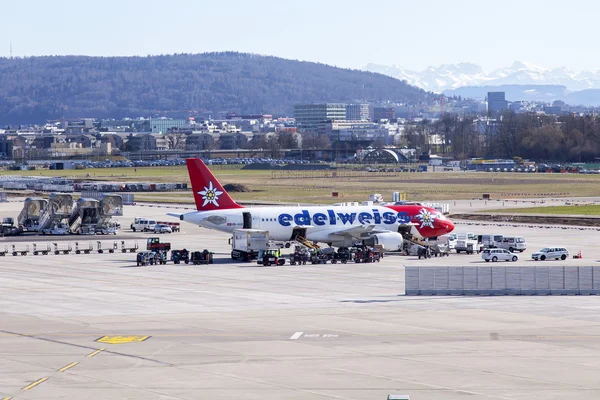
(513, 243)
(144, 225)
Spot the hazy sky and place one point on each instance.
(349, 33)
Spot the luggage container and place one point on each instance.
(41, 249)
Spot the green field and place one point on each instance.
(317, 186)
(591, 210)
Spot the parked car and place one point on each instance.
(162, 228)
(498, 255)
(548, 253)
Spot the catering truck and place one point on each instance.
(246, 243)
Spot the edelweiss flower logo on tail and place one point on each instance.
(210, 195)
(427, 219)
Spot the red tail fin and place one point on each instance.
(208, 192)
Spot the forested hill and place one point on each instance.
(38, 88)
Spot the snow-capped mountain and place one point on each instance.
(453, 76)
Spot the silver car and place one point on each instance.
(162, 228)
(549, 253)
(498, 255)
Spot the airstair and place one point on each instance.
(85, 216)
(29, 217)
(55, 217)
(111, 205)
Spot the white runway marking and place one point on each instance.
(296, 335)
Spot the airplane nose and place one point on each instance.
(449, 226)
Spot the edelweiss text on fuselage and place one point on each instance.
(333, 217)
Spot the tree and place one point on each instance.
(315, 141)
(176, 141)
(287, 140)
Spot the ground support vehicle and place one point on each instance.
(160, 257)
(106, 230)
(81, 249)
(342, 255)
(61, 229)
(4, 252)
(132, 249)
(440, 250)
(143, 225)
(468, 243)
(424, 252)
(154, 244)
(201, 257)
(110, 249)
(367, 255)
(22, 251)
(246, 243)
(143, 258)
(178, 256)
(65, 249)
(510, 243)
(270, 257)
(8, 228)
(43, 251)
(299, 256)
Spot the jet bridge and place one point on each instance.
(55, 218)
(29, 217)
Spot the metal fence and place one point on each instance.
(499, 281)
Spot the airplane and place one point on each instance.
(337, 226)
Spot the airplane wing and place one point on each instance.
(178, 216)
(364, 231)
(359, 232)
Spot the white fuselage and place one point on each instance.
(323, 223)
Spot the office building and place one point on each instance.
(357, 112)
(380, 113)
(496, 103)
(312, 117)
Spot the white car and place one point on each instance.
(549, 253)
(162, 228)
(498, 255)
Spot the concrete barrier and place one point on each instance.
(502, 280)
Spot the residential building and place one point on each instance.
(496, 103)
(357, 112)
(311, 117)
(6, 146)
(141, 142)
(236, 140)
(201, 141)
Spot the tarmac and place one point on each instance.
(97, 326)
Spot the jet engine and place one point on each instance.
(391, 241)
